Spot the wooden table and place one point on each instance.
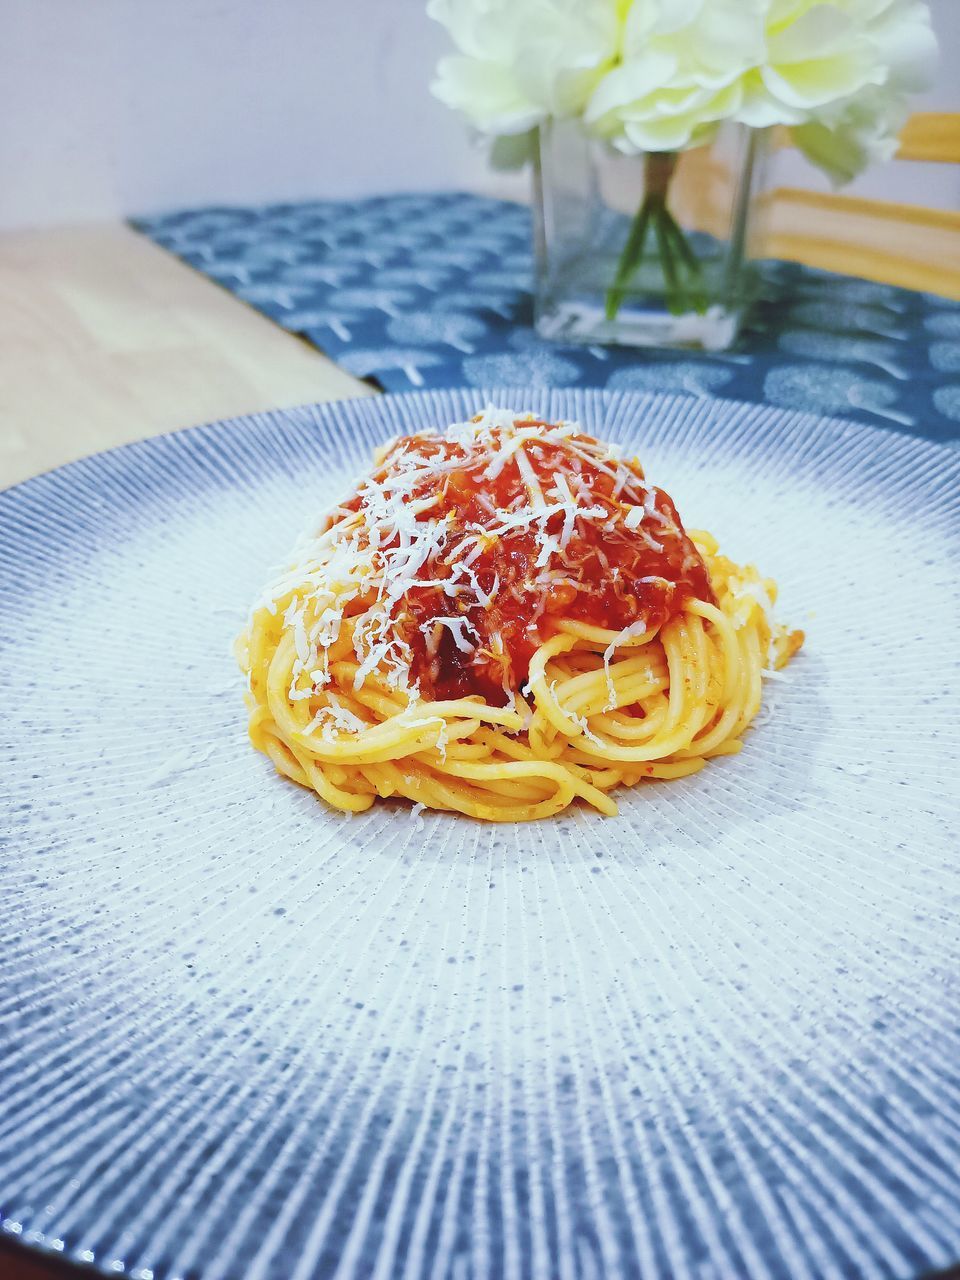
(17, 1264)
(105, 338)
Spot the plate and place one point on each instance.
(244, 1036)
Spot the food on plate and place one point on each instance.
(503, 618)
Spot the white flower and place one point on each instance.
(823, 53)
(660, 75)
(682, 70)
(845, 135)
(523, 61)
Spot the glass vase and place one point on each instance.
(646, 251)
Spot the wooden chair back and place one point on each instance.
(894, 242)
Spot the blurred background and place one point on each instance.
(118, 107)
(117, 110)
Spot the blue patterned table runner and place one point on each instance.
(434, 291)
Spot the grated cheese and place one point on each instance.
(457, 627)
(361, 562)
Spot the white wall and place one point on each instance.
(114, 107)
(111, 107)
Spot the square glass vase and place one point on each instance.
(652, 250)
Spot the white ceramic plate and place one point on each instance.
(244, 1036)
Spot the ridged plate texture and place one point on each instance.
(246, 1038)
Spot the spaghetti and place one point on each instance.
(503, 618)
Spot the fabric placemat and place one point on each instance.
(434, 291)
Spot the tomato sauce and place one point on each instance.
(607, 574)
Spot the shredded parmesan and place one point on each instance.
(457, 628)
(405, 532)
(635, 629)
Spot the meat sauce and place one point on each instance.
(606, 574)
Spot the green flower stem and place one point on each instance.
(674, 290)
(682, 274)
(697, 286)
(630, 259)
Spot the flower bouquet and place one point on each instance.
(589, 88)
